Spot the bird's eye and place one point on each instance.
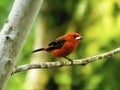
(74, 36)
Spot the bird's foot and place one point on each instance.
(69, 59)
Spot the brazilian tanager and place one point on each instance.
(63, 45)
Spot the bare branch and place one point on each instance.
(67, 63)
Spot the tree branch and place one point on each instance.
(67, 63)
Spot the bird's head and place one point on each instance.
(73, 36)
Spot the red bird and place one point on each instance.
(63, 45)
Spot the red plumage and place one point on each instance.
(63, 45)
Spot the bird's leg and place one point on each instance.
(69, 59)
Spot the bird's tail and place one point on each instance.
(37, 50)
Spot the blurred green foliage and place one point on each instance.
(98, 21)
(5, 6)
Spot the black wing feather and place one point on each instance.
(55, 44)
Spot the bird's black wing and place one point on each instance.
(56, 44)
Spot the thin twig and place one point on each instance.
(66, 63)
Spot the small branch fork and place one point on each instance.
(66, 63)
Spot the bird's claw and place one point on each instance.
(69, 59)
